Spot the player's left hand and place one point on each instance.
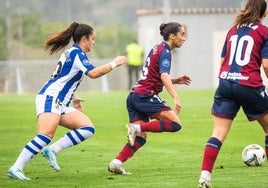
(183, 80)
(77, 103)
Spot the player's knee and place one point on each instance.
(175, 126)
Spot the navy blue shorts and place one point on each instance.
(144, 107)
(230, 96)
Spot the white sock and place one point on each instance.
(117, 161)
(206, 175)
(31, 149)
(72, 138)
(137, 127)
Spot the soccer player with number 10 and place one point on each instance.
(240, 83)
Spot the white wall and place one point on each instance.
(197, 56)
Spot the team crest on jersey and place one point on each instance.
(85, 62)
(166, 63)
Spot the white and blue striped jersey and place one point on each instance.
(73, 65)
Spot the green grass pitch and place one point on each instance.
(168, 160)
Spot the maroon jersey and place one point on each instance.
(243, 50)
(158, 61)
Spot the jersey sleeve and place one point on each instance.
(264, 51)
(84, 63)
(164, 61)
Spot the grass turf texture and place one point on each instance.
(167, 160)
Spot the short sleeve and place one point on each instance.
(165, 61)
(264, 51)
(83, 63)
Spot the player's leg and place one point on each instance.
(81, 129)
(167, 121)
(264, 123)
(225, 108)
(150, 106)
(47, 124)
(155, 108)
(127, 151)
(255, 106)
(220, 130)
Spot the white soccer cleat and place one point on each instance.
(116, 167)
(14, 173)
(131, 131)
(204, 184)
(51, 157)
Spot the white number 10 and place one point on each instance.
(241, 50)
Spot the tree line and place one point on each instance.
(31, 32)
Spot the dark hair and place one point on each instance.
(169, 28)
(253, 12)
(61, 39)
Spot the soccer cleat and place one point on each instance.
(51, 157)
(17, 174)
(131, 134)
(204, 184)
(117, 168)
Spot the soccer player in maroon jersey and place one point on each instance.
(240, 83)
(143, 102)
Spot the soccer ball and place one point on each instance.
(253, 155)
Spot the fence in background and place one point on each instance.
(29, 76)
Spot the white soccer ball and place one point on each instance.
(253, 155)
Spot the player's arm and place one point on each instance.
(106, 68)
(265, 66)
(171, 90)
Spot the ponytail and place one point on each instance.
(61, 39)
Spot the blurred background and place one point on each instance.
(25, 25)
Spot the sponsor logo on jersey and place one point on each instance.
(85, 62)
(166, 63)
(233, 76)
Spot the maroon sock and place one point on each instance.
(128, 151)
(162, 125)
(211, 151)
(209, 158)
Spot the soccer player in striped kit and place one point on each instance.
(143, 102)
(240, 83)
(54, 98)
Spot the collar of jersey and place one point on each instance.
(77, 46)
